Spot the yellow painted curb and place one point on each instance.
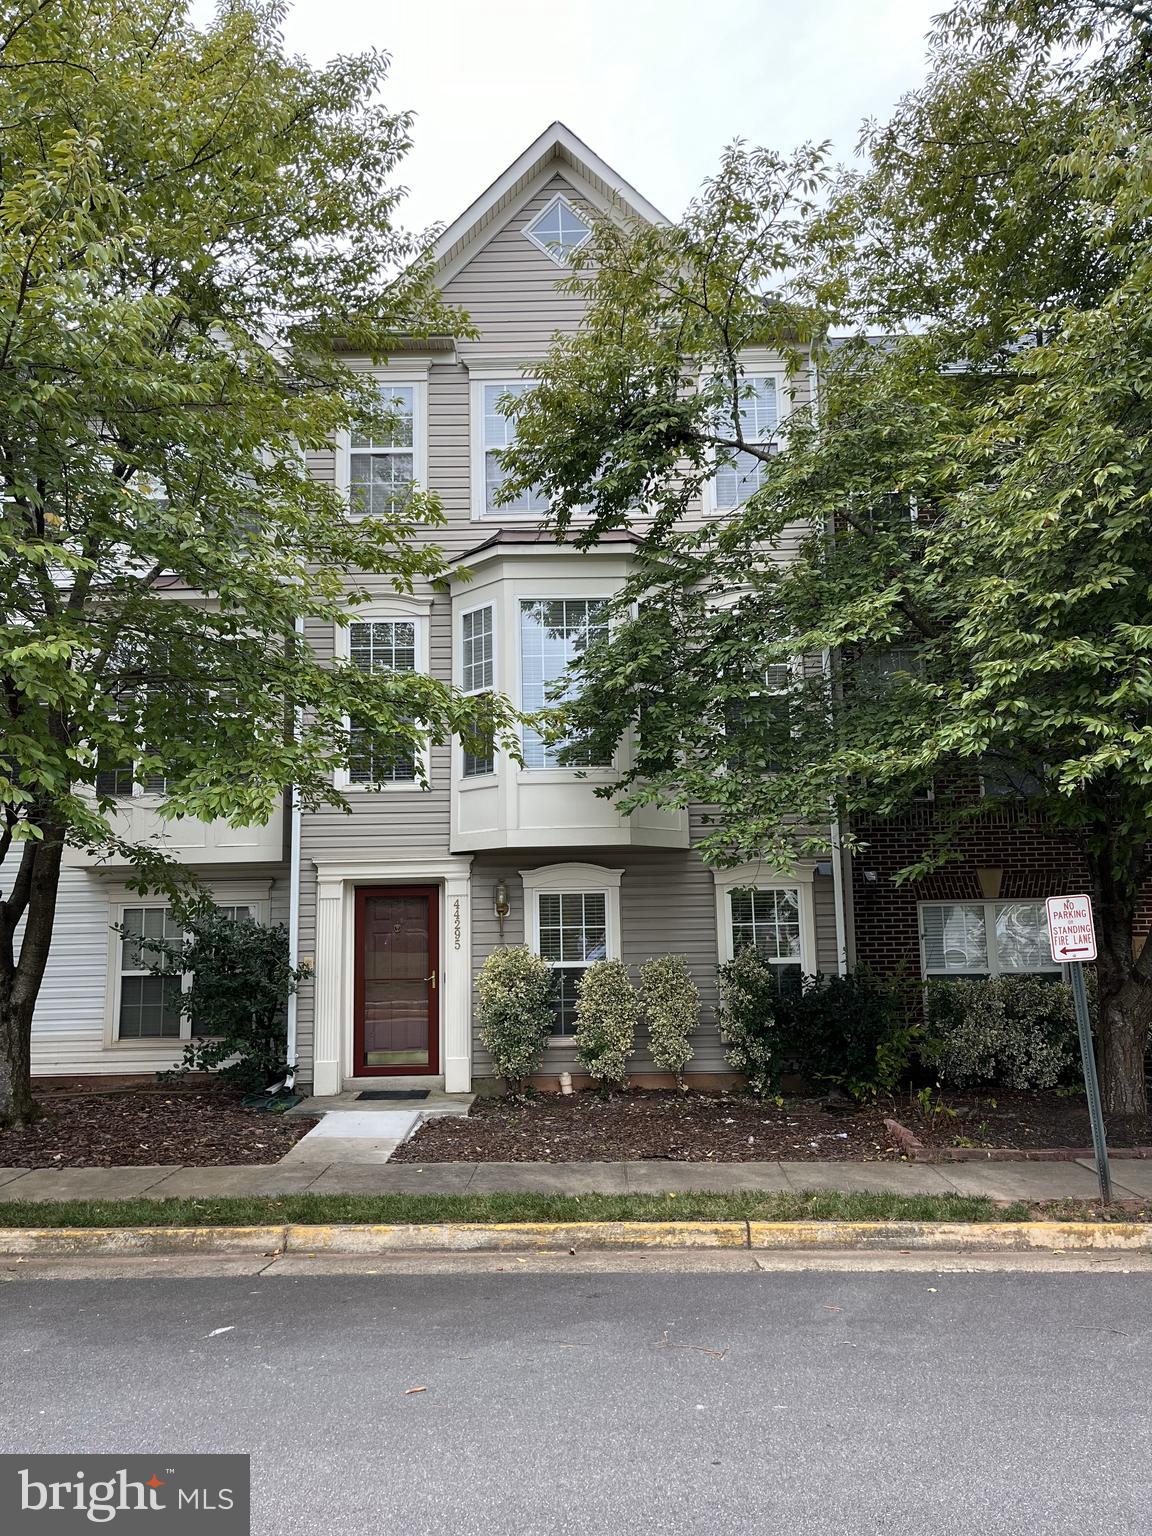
(58, 1242)
(469, 1237)
(559, 1237)
(982, 1236)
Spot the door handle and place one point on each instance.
(432, 979)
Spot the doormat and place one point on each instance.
(395, 1093)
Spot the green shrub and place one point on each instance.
(749, 1016)
(514, 1011)
(1016, 1031)
(607, 1017)
(242, 978)
(850, 1032)
(672, 1004)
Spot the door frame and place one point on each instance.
(431, 893)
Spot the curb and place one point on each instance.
(568, 1237)
(68, 1242)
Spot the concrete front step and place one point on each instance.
(437, 1103)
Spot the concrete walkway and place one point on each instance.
(1131, 1178)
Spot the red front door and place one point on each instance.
(397, 1014)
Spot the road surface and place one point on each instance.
(808, 1403)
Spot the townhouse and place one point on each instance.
(396, 905)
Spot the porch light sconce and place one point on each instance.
(501, 905)
(823, 869)
(870, 877)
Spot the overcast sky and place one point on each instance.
(656, 87)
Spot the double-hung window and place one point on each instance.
(768, 919)
(572, 932)
(381, 645)
(759, 722)
(150, 1003)
(497, 432)
(477, 676)
(554, 632)
(381, 471)
(739, 473)
(119, 781)
(985, 938)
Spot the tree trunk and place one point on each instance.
(1124, 991)
(33, 898)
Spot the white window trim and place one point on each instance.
(576, 880)
(417, 381)
(482, 378)
(784, 404)
(553, 255)
(745, 877)
(994, 967)
(557, 773)
(475, 780)
(256, 896)
(416, 610)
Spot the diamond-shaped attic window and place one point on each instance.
(558, 230)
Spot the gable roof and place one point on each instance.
(556, 146)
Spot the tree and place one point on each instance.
(967, 501)
(193, 226)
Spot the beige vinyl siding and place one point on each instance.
(394, 821)
(508, 289)
(667, 906)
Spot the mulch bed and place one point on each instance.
(103, 1130)
(649, 1124)
(1021, 1120)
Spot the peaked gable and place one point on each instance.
(557, 152)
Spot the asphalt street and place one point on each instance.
(717, 1403)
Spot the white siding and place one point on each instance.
(68, 1027)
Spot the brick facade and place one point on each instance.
(1034, 861)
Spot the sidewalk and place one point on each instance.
(1131, 1179)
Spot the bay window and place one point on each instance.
(554, 632)
(477, 676)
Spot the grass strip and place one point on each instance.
(395, 1209)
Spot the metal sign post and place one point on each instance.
(1072, 936)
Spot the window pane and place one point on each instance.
(500, 432)
(1022, 937)
(114, 780)
(149, 1007)
(573, 932)
(477, 649)
(564, 1000)
(399, 401)
(769, 920)
(737, 480)
(385, 645)
(955, 938)
(380, 482)
(560, 228)
(552, 634)
(377, 759)
(141, 924)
